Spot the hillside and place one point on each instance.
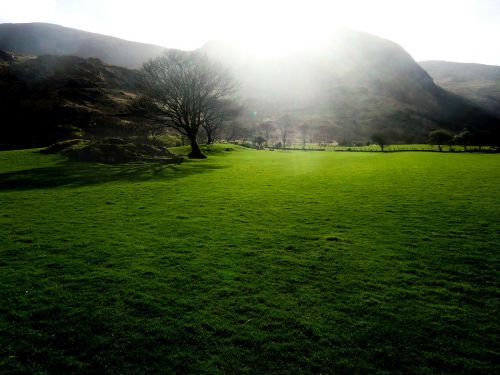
(357, 84)
(49, 39)
(477, 82)
(49, 98)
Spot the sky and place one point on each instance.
(452, 30)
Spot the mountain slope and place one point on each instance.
(357, 84)
(477, 82)
(49, 39)
(50, 98)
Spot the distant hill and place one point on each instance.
(48, 39)
(357, 84)
(476, 82)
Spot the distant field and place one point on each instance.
(251, 262)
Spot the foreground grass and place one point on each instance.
(251, 262)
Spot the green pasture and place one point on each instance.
(251, 262)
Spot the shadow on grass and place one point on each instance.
(75, 174)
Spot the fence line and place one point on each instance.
(390, 148)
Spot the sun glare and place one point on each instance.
(280, 28)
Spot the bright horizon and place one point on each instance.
(460, 30)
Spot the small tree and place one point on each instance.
(284, 126)
(305, 133)
(481, 138)
(267, 129)
(463, 138)
(237, 131)
(324, 135)
(213, 124)
(258, 141)
(184, 91)
(380, 139)
(440, 137)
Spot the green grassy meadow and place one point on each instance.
(251, 262)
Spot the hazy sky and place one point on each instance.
(454, 30)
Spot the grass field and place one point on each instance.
(251, 262)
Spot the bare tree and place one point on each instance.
(237, 131)
(285, 127)
(184, 91)
(324, 135)
(226, 110)
(267, 128)
(305, 132)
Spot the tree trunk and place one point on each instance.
(210, 136)
(195, 150)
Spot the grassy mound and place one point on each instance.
(113, 151)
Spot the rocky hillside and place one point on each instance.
(49, 98)
(477, 82)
